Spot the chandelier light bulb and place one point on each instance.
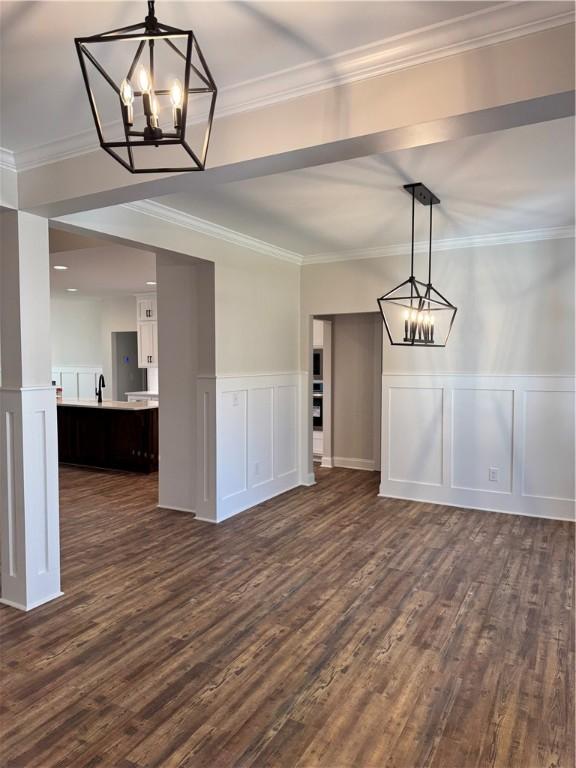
(144, 80)
(177, 99)
(176, 94)
(154, 120)
(126, 93)
(127, 97)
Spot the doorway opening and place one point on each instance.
(127, 377)
(347, 391)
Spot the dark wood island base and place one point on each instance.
(109, 435)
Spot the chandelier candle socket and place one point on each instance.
(414, 313)
(132, 73)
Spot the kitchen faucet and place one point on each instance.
(101, 383)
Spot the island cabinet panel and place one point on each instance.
(108, 438)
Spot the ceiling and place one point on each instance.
(509, 181)
(97, 268)
(42, 94)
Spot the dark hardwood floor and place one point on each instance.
(323, 628)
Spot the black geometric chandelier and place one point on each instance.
(145, 74)
(415, 314)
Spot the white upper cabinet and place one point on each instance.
(146, 308)
(147, 331)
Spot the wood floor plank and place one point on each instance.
(325, 628)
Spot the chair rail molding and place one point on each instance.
(502, 443)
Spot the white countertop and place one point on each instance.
(139, 405)
(142, 394)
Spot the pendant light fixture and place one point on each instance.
(139, 80)
(416, 314)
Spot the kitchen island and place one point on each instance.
(108, 435)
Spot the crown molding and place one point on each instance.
(489, 26)
(446, 244)
(7, 162)
(181, 219)
(201, 226)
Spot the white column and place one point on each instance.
(28, 432)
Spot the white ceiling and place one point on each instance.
(42, 94)
(103, 271)
(509, 181)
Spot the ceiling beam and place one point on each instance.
(466, 94)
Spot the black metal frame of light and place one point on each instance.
(151, 31)
(423, 296)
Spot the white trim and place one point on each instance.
(206, 520)
(173, 216)
(446, 244)
(327, 462)
(30, 606)
(489, 26)
(7, 161)
(187, 221)
(171, 507)
(350, 463)
(309, 480)
(422, 500)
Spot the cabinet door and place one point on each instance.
(147, 345)
(146, 309)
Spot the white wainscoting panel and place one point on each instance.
(29, 497)
(502, 443)
(416, 434)
(77, 381)
(482, 429)
(548, 466)
(257, 447)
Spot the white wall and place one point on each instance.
(186, 369)
(75, 333)
(81, 332)
(356, 390)
(499, 395)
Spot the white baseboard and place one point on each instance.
(206, 520)
(347, 463)
(36, 604)
(327, 462)
(522, 513)
(308, 479)
(176, 509)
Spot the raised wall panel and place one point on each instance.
(232, 443)
(482, 428)
(69, 384)
(441, 434)
(415, 434)
(287, 420)
(549, 445)
(260, 435)
(86, 385)
(258, 439)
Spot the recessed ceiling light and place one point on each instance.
(59, 266)
(150, 282)
(72, 290)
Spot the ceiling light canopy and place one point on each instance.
(59, 267)
(145, 74)
(416, 314)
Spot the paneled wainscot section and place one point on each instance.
(257, 439)
(503, 443)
